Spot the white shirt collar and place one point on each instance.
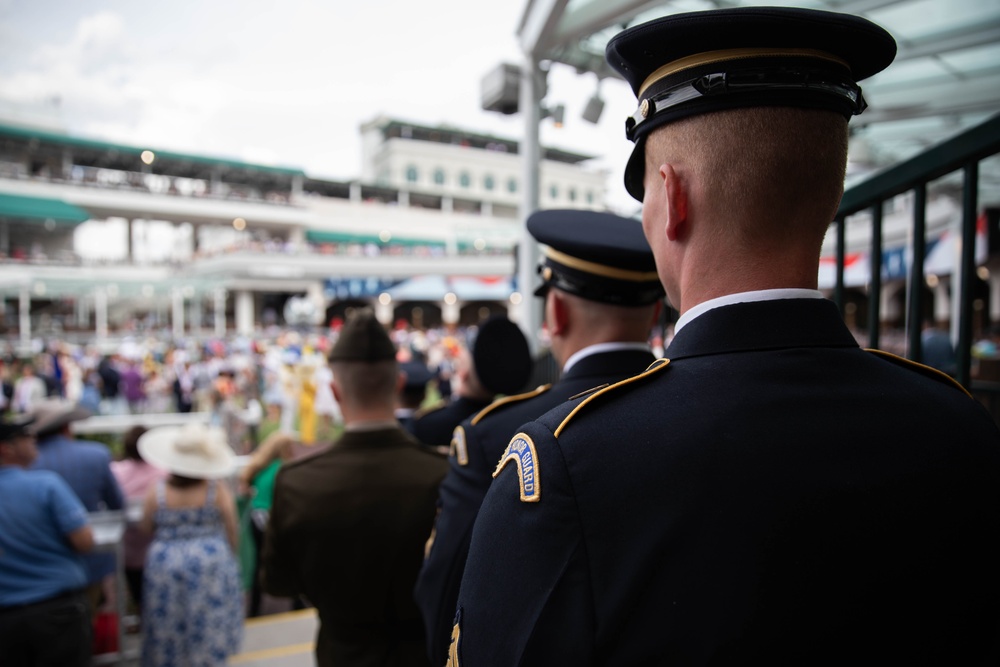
(602, 347)
(745, 297)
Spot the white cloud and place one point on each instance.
(286, 82)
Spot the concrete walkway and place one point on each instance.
(279, 640)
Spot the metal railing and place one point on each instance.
(961, 153)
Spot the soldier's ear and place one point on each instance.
(676, 209)
(560, 314)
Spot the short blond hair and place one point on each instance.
(367, 383)
(770, 172)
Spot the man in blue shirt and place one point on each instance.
(84, 465)
(43, 528)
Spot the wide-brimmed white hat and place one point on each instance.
(193, 450)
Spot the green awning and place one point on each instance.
(69, 140)
(325, 236)
(40, 208)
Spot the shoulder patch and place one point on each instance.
(429, 409)
(507, 400)
(521, 451)
(926, 371)
(654, 367)
(458, 447)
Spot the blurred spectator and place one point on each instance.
(938, 352)
(257, 481)
(6, 387)
(43, 528)
(183, 387)
(28, 390)
(112, 403)
(412, 393)
(90, 395)
(253, 414)
(131, 384)
(158, 393)
(193, 608)
(136, 478)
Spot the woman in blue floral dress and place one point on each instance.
(193, 601)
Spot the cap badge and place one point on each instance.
(644, 108)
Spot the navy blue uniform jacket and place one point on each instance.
(465, 484)
(771, 495)
(434, 427)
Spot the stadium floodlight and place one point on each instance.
(500, 89)
(595, 107)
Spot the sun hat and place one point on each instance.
(51, 414)
(193, 450)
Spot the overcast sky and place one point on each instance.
(285, 83)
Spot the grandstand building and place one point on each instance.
(426, 234)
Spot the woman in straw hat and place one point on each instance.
(193, 605)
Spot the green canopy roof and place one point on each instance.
(70, 140)
(326, 236)
(40, 208)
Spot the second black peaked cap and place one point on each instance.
(501, 355)
(596, 256)
(363, 338)
(688, 64)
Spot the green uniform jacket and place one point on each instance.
(347, 531)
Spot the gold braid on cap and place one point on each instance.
(600, 269)
(710, 57)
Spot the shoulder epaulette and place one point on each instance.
(507, 400)
(926, 371)
(429, 409)
(654, 368)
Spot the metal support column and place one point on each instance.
(530, 317)
(24, 316)
(177, 315)
(220, 312)
(101, 313)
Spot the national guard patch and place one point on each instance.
(458, 448)
(521, 450)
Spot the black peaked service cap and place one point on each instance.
(694, 63)
(597, 256)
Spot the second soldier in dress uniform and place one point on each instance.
(498, 362)
(601, 295)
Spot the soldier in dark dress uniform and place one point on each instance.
(498, 362)
(769, 493)
(601, 293)
(348, 525)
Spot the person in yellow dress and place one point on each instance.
(307, 402)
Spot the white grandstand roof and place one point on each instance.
(945, 79)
